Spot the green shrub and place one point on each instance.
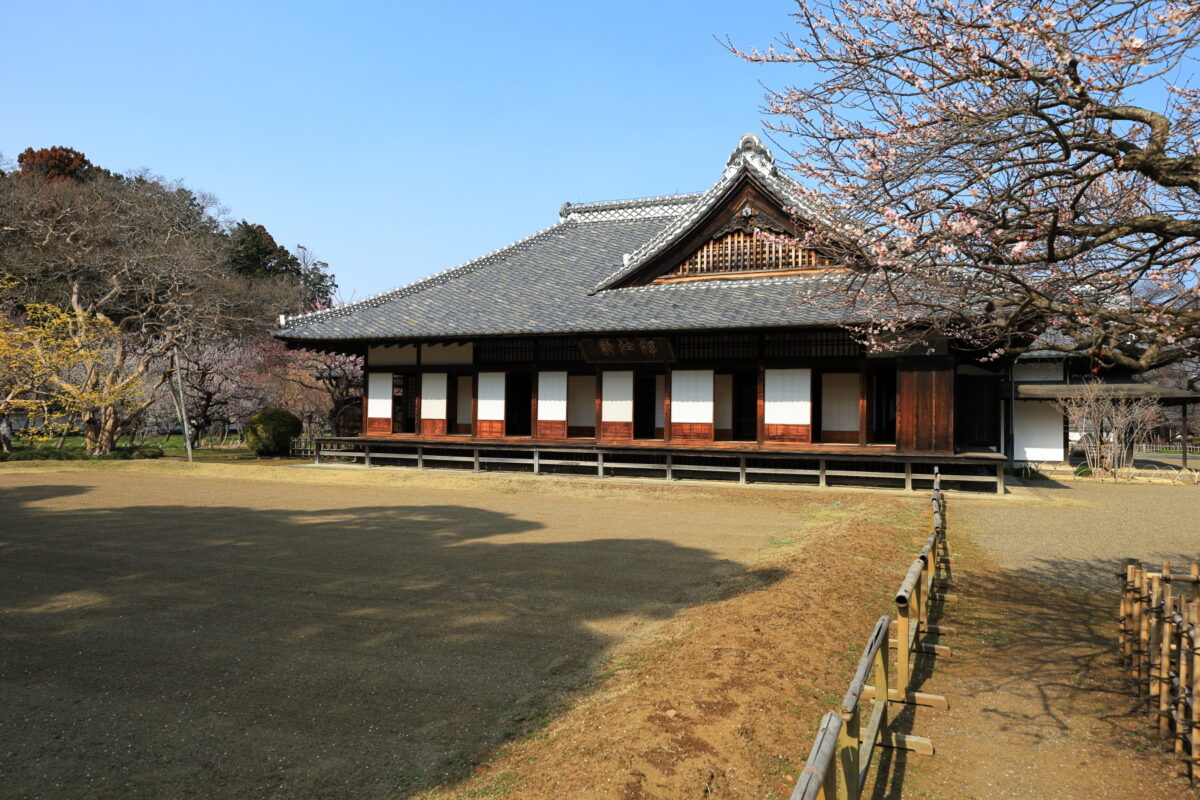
(47, 453)
(270, 431)
(1083, 471)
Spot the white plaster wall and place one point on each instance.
(491, 396)
(552, 396)
(1037, 431)
(787, 396)
(616, 401)
(379, 395)
(692, 396)
(433, 395)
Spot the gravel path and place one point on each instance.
(1038, 705)
(1080, 531)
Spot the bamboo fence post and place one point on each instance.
(1166, 637)
(903, 657)
(882, 687)
(1183, 671)
(1135, 628)
(847, 757)
(1195, 573)
(1123, 614)
(1153, 633)
(919, 600)
(1126, 621)
(1194, 728)
(1144, 595)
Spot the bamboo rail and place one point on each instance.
(840, 759)
(922, 587)
(1158, 639)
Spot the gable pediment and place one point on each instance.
(748, 234)
(754, 222)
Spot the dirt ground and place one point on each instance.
(1039, 706)
(242, 631)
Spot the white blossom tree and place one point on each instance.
(1004, 168)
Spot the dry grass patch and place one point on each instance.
(723, 701)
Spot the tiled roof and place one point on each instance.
(547, 283)
(750, 158)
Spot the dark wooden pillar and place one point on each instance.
(667, 407)
(762, 402)
(599, 402)
(864, 385)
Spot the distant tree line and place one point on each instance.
(123, 294)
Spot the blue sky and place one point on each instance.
(393, 140)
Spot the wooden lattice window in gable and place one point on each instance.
(744, 251)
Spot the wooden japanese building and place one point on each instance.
(658, 335)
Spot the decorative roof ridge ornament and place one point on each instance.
(668, 205)
(750, 151)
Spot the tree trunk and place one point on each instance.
(101, 429)
(62, 440)
(5, 435)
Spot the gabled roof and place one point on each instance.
(554, 282)
(751, 159)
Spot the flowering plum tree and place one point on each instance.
(1006, 167)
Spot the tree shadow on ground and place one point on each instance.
(224, 651)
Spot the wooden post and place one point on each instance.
(742, 469)
(599, 463)
(1000, 478)
(882, 690)
(903, 656)
(1124, 640)
(670, 465)
(1166, 636)
(1195, 573)
(1135, 627)
(1194, 629)
(420, 457)
(537, 461)
(1183, 663)
(366, 454)
(908, 487)
(847, 756)
(821, 473)
(476, 454)
(1146, 676)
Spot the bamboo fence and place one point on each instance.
(1159, 643)
(840, 759)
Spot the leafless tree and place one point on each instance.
(220, 386)
(139, 251)
(1113, 425)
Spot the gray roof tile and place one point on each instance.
(546, 284)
